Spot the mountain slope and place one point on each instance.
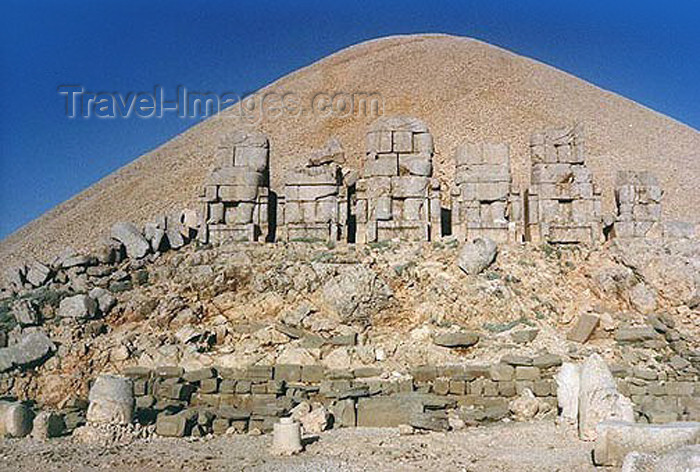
(462, 88)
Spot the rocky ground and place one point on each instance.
(503, 447)
(305, 303)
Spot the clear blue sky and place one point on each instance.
(647, 51)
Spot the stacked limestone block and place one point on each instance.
(484, 203)
(398, 198)
(236, 192)
(563, 203)
(638, 198)
(314, 206)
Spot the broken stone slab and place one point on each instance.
(344, 413)
(546, 361)
(476, 256)
(129, 235)
(599, 399)
(111, 400)
(16, 420)
(48, 424)
(175, 426)
(77, 307)
(616, 439)
(430, 421)
(456, 340)
(583, 329)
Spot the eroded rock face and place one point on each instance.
(599, 399)
(477, 255)
(111, 400)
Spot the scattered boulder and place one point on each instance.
(628, 334)
(477, 255)
(15, 420)
(30, 350)
(456, 339)
(129, 235)
(616, 439)
(48, 424)
(599, 399)
(111, 400)
(77, 307)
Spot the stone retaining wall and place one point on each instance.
(215, 399)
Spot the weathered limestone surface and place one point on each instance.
(397, 197)
(616, 439)
(563, 202)
(235, 195)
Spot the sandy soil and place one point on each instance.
(465, 90)
(505, 447)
